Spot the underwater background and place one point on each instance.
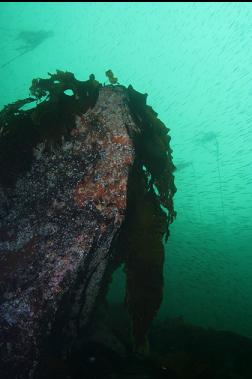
(194, 61)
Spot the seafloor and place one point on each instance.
(178, 350)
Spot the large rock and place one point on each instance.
(57, 225)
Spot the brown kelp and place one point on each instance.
(154, 152)
(150, 211)
(151, 187)
(48, 122)
(112, 79)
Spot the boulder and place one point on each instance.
(57, 225)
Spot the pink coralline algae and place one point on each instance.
(58, 223)
(106, 187)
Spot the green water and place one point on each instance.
(194, 61)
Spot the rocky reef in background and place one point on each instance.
(86, 184)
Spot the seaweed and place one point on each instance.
(150, 211)
(52, 118)
(112, 79)
(153, 149)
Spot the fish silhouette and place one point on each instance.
(182, 165)
(209, 141)
(30, 39)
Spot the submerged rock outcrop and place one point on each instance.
(63, 199)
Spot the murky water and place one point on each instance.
(194, 61)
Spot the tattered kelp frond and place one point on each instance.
(154, 151)
(52, 118)
(150, 211)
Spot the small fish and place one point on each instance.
(209, 141)
(182, 165)
(207, 138)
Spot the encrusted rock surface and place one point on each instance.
(56, 229)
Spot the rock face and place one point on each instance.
(57, 225)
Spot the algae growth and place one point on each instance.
(150, 210)
(48, 122)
